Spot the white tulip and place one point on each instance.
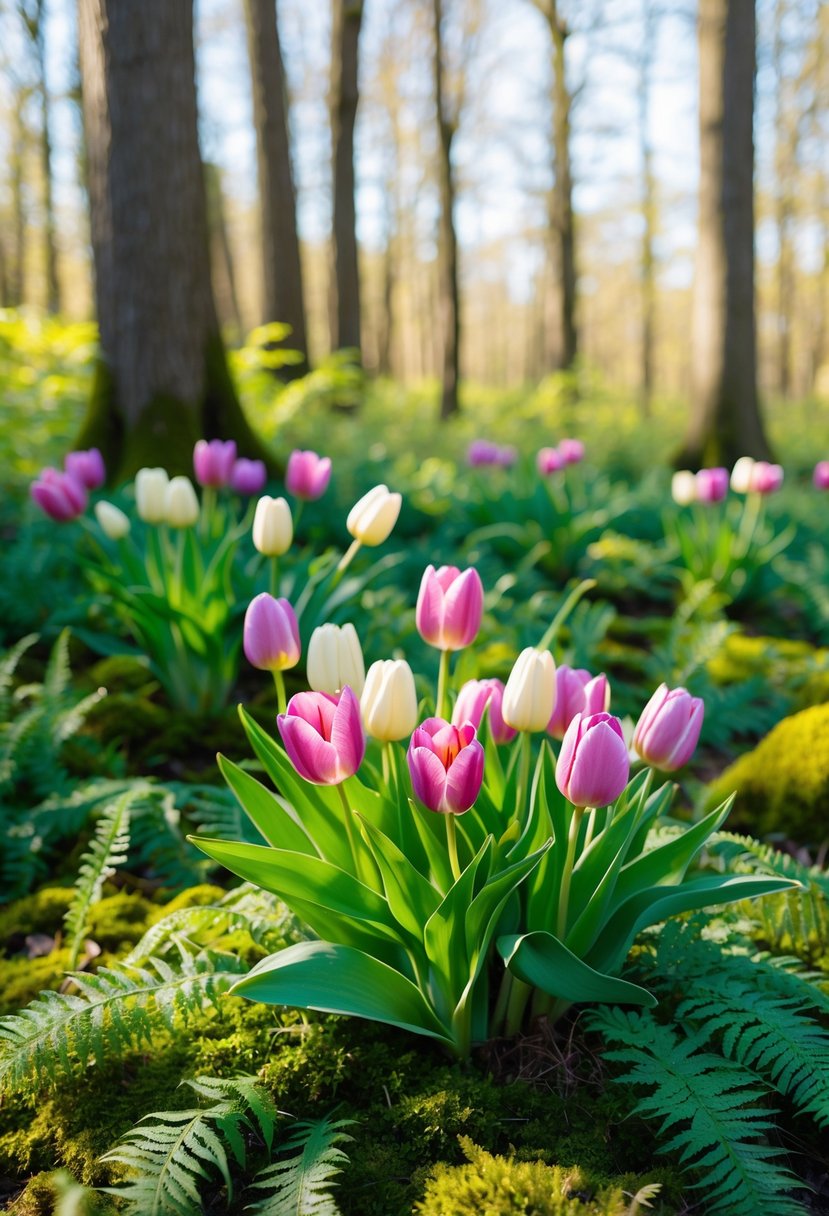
(741, 475)
(372, 518)
(150, 495)
(113, 522)
(181, 506)
(273, 527)
(684, 488)
(389, 700)
(530, 693)
(335, 659)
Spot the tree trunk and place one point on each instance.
(562, 198)
(163, 379)
(450, 325)
(725, 417)
(347, 17)
(282, 296)
(648, 261)
(17, 276)
(38, 33)
(786, 140)
(224, 289)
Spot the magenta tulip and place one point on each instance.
(248, 476)
(821, 475)
(323, 735)
(213, 462)
(766, 478)
(549, 460)
(577, 692)
(668, 729)
(481, 452)
(307, 475)
(446, 764)
(87, 467)
(449, 607)
(593, 766)
(506, 456)
(711, 485)
(60, 495)
(474, 698)
(571, 450)
(271, 634)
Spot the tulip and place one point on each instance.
(112, 520)
(389, 700)
(248, 477)
(481, 452)
(668, 730)
(181, 506)
(711, 485)
(530, 693)
(577, 692)
(60, 495)
(372, 518)
(593, 766)
(449, 607)
(213, 462)
(271, 634)
(307, 475)
(684, 488)
(323, 735)
(87, 467)
(506, 457)
(335, 659)
(549, 460)
(571, 451)
(446, 764)
(150, 495)
(474, 697)
(273, 528)
(741, 475)
(820, 477)
(766, 478)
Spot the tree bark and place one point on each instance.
(36, 25)
(224, 291)
(648, 260)
(725, 419)
(282, 297)
(347, 18)
(163, 379)
(450, 323)
(17, 276)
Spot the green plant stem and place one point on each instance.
(452, 844)
(516, 1005)
(748, 524)
(273, 576)
(499, 1014)
(591, 827)
(522, 791)
(208, 504)
(386, 759)
(567, 873)
(443, 681)
(564, 611)
(349, 829)
(281, 698)
(345, 561)
(297, 513)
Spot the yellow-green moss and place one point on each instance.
(41, 912)
(194, 897)
(783, 784)
(118, 921)
(22, 978)
(793, 666)
(41, 1194)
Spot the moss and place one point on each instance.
(118, 921)
(44, 1190)
(783, 784)
(194, 897)
(41, 912)
(795, 667)
(22, 978)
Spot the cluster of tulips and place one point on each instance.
(711, 485)
(63, 494)
(482, 453)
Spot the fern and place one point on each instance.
(300, 1185)
(715, 1108)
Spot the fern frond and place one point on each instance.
(58, 674)
(301, 1184)
(746, 855)
(8, 666)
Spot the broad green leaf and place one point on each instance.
(667, 864)
(411, 897)
(275, 821)
(541, 960)
(444, 936)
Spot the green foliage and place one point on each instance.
(301, 1183)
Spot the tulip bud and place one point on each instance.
(213, 462)
(530, 694)
(577, 692)
(593, 765)
(248, 477)
(323, 736)
(59, 495)
(766, 478)
(449, 607)
(820, 476)
(506, 456)
(549, 460)
(571, 451)
(481, 452)
(474, 698)
(712, 485)
(150, 495)
(181, 507)
(273, 528)
(446, 765)
(741, 475)
(112, 520)
(335, 659)
(684, 488)
(372, 518)
(389, 700)
(271, 634)
(307, 475)
(668, 730)
(87, 467)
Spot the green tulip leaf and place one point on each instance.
(274, 820)
(541, 960)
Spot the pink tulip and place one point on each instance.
(766, 478)
(821, 475)
(549, 460)
(60, 495)
(446, 764)
(213, 462)
(248, 476)
(593, 765)
(712, 485)
(474, 698)
(577, 692)
(449, 607)
(271, 635)
(571, 450)
(87, 467)
(668, 730)
(506, 457)
(482, 452)
(323, 735)
(307, 475)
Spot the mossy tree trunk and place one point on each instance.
(347, 19)
(450, 309)
(163, 379)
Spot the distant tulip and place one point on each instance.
(248, 477)
(684, 488)
(482, 452)
(449, 607)
(446, 764)
(271, 634)
(571, 451)
(323, 735)
(87, 467)
(213, 462)
(766, 478)
(112, 520)
(475, 697)
(60, 495)
(593, 765)
(181, 506)
(389, 700)
(335, 659)
(549, 460)
(273, 529)
(821, 475)
(530, 693)
(712, 485)
(741, 475)
(506, 456)
(577, 692)
(372, 518)
(150, 495)
(668, 730)
(307, 475)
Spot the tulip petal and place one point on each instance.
(347, 733)
(313, 757)
(464, 777)
(428, 777)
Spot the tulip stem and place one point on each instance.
(346, 560)
(591, 827)
(516, 1004)
(281, 699)
(297, 514)
(349, 829)
(567, 873)
(564, 611)
(273, 578)
(748, 524)
(452, 843)
(208, 504)
(522, 789)
(386, 759)
(443, 681)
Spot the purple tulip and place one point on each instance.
(577, 692)
(668, 730)
(213, 462)
(248, 476)
(323, 735)
(307, 475)
(593, 764)
(474, 698)
(571, 450)
(449, 607)
(821, 475)
(549, 460)
(446, 764)
(506, 457)
(271, 634)
(60, 495)
(86, 467)
(711, 485)
(766, 478)
(481, 452)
